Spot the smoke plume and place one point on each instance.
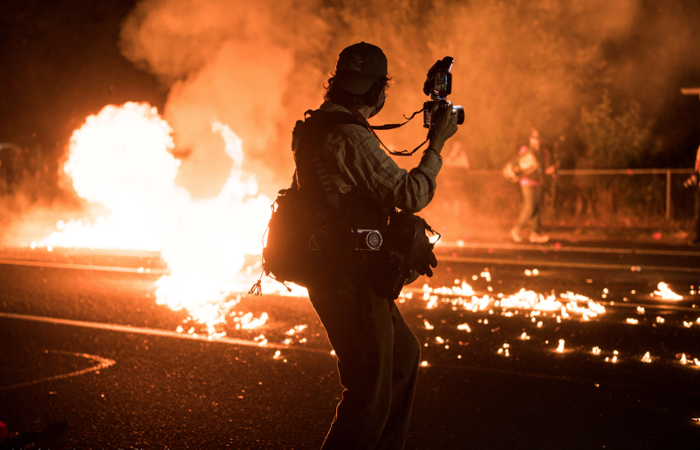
(257, 66)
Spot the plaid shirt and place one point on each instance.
(363, 166)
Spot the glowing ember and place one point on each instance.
(504, 350)
(560, 348)
(614, 358)
(464, 327)
(296, 329)
(248, 322)
(261, 340)
(120, 161)
(666, 293)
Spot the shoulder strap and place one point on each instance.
(306, 144)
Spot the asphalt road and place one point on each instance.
(83, 341)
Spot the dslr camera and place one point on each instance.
(438, 85)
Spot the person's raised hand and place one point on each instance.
(445, 127)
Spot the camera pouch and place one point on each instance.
(406, 254)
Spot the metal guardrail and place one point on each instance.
(631, 172)
(596, 172)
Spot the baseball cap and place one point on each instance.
(358, 67)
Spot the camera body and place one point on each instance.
(438, 85)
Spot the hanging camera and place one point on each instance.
(438, 85)
(368, 240)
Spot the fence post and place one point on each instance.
(668, 195)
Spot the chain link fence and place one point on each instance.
(596, 197)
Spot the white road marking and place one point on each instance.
(557, 263)
(571, 249)
(153, 332)
(102, 363)
(57, 265)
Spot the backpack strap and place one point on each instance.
(307, 140)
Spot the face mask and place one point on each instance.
(379, 105)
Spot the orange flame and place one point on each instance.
(120, 160)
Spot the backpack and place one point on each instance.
(306, 237)
(302, 244)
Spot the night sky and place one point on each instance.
(60, 62)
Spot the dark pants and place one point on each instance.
(531, 210)
(378, 359)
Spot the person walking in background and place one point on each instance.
(535, 163)
(696, 221)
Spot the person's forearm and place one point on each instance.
(419, 187)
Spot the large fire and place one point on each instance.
(120, 160)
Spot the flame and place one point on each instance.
(504, 350)
(666, 293)
(560, 348)
(120, 161)
(569, 304)
(464, 327)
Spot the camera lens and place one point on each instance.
(374, 240)
(459, 109)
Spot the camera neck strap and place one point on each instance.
(390, 126)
